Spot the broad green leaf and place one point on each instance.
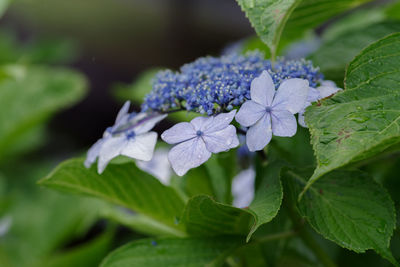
(268, 18)
(122, 184)
(30, 95)
(347, 207)
(310, 14)
(348, 45)
(268, 197)
(364, 119)
(138, 222)
(187, 252)
(205, 217)
(3, 6)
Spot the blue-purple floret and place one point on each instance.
(211, 85)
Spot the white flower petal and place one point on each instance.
(301, 120)
(328, 83)
(220, 122)
(93, 153)
(283, 123)
(243, 188)
(291, 95)
(110, 149)
(326, 91)
(249, 113)
(123, 111)
(178, 133)
(188, 155)
(222, 140)
(262, 89)
(158, 166)
(260, 134)
(146, 124)
(140, 147)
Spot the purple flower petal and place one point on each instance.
(140, 147)
(326, 91)
(283, 123)
(301, 120)
(222, 140)
(188, 155)
(148, 122)
(93, 153)
(260, 134)
(220, 121)
(262, 89)
(249, 113)
(201, 123)
(179, 133)
(123, 112)
(291, 95)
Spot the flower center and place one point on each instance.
(199, 133)
(268, 109)
(130, 135)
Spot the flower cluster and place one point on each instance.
(268, 98)
(212, 85)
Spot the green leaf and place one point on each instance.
(348, 45)
(122, 184)
(173, 252)
(268, 18)
(268, 197)
(364, 119)
(30, 95)
(206, 217)
(347, 207)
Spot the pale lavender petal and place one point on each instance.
(93, 153)
(178, 133)
(188, 155)
(260, 134)
(291, 95)
(301, 120)
(123, 111)
(283, 123)
(201, 123)
(249, 113)
(262, 89)
(243, 188)
(313, 95)
(148, 122)
(158, 166)
(220, 122)
(222, 140)
(326, 91)
(140, 147)
(328, 83)
(110, 149)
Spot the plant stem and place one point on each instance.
(304, 234)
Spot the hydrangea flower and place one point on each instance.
(158, 166)
(197, 140)
(212, 85)
(271, 112)
(243, 188)
(326, 89)
(129, 137)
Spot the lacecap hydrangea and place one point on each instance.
(211, 85)
(262, 97)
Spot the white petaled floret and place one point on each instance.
(158, 166)
(129, 136)
(271, 112)
(327, 89)
(197, 140)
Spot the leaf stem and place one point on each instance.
(304, 234)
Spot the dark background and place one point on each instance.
(116, 40)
